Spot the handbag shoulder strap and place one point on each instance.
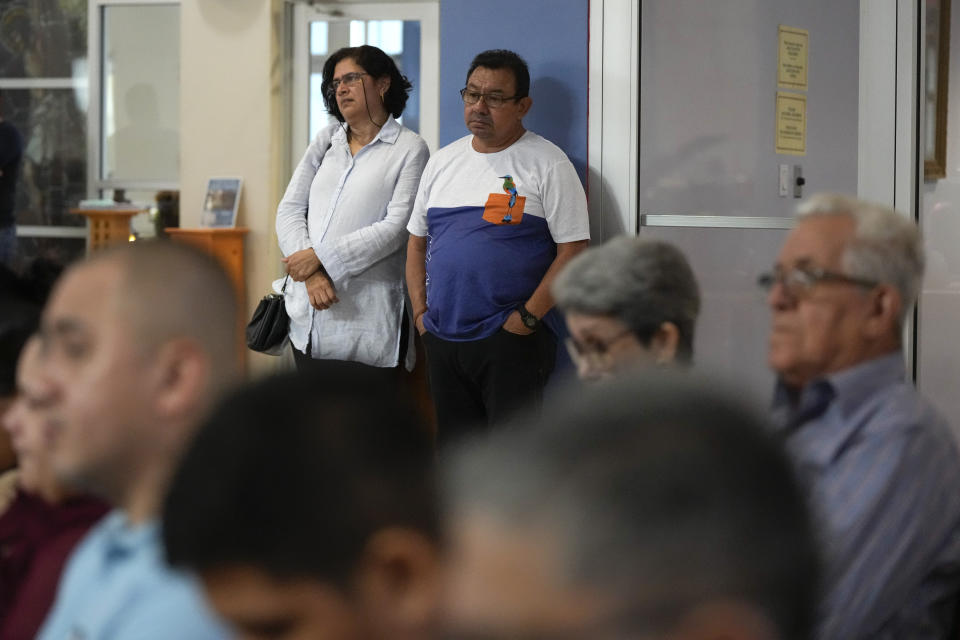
(326, 148)
(325, 138)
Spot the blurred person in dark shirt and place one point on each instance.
(43, 520)
(11, 157)
(21, 301)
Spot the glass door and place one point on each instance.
(725, 131)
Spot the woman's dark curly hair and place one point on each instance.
(378, 64)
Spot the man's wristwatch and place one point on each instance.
(529, 320)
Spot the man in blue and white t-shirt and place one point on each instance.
(497, 215)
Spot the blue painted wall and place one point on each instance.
(410, 63)
(551, 35)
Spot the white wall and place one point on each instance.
(233, 121)
(938, 349)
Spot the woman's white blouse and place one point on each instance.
(353, 212)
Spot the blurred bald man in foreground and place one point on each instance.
(137, 344)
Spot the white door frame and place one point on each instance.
(613, 122)
(890, 119)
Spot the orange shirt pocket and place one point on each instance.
(498, 211)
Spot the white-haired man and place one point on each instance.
(879, 463)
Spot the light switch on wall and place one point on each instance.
(798, 181)
(784, 180)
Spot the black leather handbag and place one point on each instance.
(268, 328)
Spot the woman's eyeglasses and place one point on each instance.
(596, 355)
(347, 80)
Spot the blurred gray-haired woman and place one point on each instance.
(628, 303)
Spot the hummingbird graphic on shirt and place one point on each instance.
(511, 188)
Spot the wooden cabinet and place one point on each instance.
(108, 226)
(226, 245)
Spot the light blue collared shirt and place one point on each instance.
(353, 211)
(117, 586)
(882, 473)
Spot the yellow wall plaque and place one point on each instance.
(791, 123)
(792, 57)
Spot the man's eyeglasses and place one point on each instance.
(492, 100)
(799, 280)
(347, 80)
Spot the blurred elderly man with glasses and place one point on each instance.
(498, 213)
(879, 464)
(628, 304)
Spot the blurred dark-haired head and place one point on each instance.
(646, 506)
(311, 490)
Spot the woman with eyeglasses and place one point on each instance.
(628, 303)
(342, 221)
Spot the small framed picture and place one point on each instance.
(220, 205)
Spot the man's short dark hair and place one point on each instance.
(378, 64)
(661, 492)
(504, 59)
(292, 475)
